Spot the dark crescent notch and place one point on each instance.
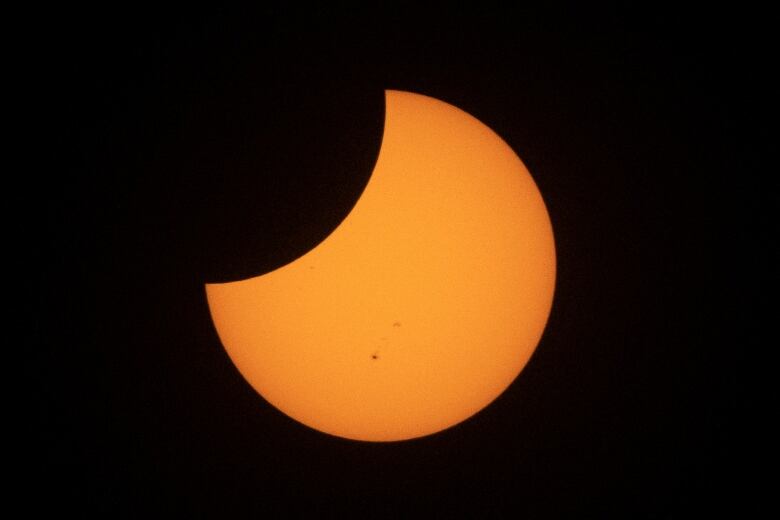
(268, 169)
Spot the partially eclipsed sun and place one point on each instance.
(422, 306)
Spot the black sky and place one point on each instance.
(216, 146)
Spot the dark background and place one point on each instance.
(212, 146)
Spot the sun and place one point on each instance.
(425, 303)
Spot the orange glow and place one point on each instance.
(422, 306)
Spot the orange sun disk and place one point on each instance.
(425, 303)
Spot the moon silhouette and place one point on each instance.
(422, 306)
